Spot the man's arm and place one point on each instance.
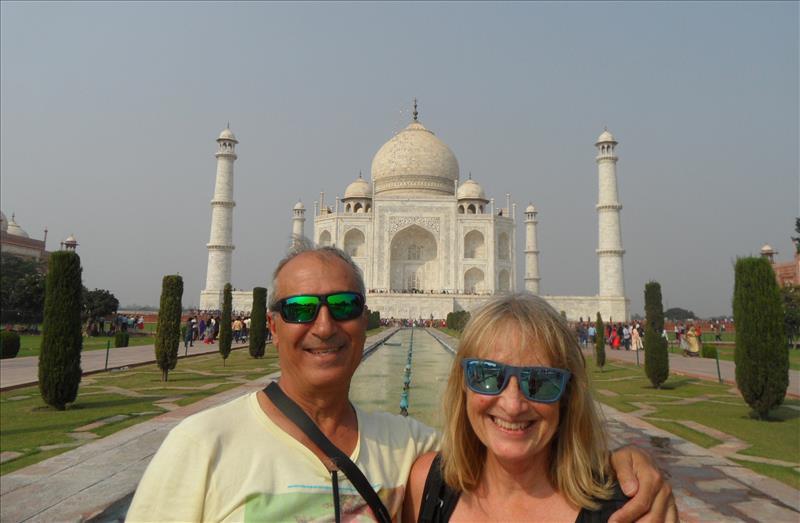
(640, 479)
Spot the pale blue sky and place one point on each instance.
(109, 112)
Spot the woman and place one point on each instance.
(636, 339)
(522, 439)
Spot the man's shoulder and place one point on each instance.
(393, 427)
(219, 419)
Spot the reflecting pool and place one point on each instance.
(378, 382)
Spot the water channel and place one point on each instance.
(378, 382)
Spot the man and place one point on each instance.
(245, 461)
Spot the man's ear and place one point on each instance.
(272, 329)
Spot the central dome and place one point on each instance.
(414, 162)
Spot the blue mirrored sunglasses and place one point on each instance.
(541, 384)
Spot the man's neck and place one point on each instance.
(331, 412)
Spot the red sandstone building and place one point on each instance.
(787, 273)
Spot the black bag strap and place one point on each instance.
(292, 411)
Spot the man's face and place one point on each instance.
(324, 353)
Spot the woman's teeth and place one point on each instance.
(509, 425)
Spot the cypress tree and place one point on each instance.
(258, 323)
(600, 342)
(225, 334)
(60, 355)
(168, 330)
(656, 355)
(762, 357)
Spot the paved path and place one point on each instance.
(18, 372)
(97, 480)
(704, 368)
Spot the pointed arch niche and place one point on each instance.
(354, 243)
(414, 263)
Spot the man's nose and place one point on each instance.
(324, 325)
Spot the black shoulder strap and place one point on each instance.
(292, 411)
(431, 500)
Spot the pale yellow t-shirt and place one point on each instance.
(232, 463)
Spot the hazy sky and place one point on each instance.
(110, 114)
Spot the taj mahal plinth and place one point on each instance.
(428, 243)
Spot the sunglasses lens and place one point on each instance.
(485, 377)
(345, 306)
(542, 384)
(300, 309)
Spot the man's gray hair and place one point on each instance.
(302, 245)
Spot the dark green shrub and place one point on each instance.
(121, 339)
(457, 320)
(9, 344)
(762, 357)
(60, 355)
(374, 320)
(168, 328)
(656, 354)
(258, 323)
(225, 328)
(708, 351)
(600, 343)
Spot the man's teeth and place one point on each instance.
(322, 351)
(509, 425)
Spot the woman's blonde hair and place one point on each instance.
(579, 459)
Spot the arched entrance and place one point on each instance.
(414, 263)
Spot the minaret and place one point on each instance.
(298, 221)
(609, 244)
(531, 251)
(220, 244)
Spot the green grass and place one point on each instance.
(29, 344)
(726, 353)
(786, 475)
(26, 423)
(710, 404)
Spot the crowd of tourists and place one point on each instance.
(203, 326)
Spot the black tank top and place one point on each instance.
(439, 500)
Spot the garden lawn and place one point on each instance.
(30, 344)
(726, 353)
(37, 431)
(710, 404)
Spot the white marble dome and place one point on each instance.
(767, 249)
(227, 134)
(299, 206)
(530, 208)
(414, 161)
(358, 189)
(471, 190)
(606, 136)
(3, 222)
(14, 229)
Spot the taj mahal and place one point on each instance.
(428, 243)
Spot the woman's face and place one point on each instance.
(515, 431)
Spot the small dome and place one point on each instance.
(767, 249)
(530, 208)
(606, 137)
(358, 189)
(3, 222)
(299, 206)
(471, 190)
(71, 240)
(227, 134)
(414, 161)
(14, 229)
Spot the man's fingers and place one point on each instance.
(639, 478)
(622, 463)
